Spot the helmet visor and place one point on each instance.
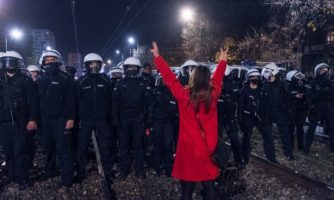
(93, 67)
(10, 63)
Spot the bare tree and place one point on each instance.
(274, 46)
(297, 17)
(201, 38)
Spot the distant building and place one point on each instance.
(42, 39)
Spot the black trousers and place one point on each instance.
(32, 142)
(13, 139)
(131, 135)
(325, 113)
(232, 129)
(102, 133)
(210, 191)
(297, 123)
(268, 144)
(56, 142)
(163, 138)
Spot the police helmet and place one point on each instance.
(93, 63)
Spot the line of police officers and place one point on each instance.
(120, 109)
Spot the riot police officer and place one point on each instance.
(321, 98)
(71, 70)
(274, 108)
(115, 74)
(32, 135)
(147, 74)
(94, 102)
(165, 119)
(130, 109)
(57, 109)
(18, 114)
(248, 116)
(227, 112)
(186, 69)
(297, 103)
(34, 71)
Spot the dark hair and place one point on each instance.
(200, 87)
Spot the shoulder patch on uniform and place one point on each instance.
(88, 87)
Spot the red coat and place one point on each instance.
(193, 152)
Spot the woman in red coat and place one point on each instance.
(198, 132)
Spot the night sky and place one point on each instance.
(97, 20)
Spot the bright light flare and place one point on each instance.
(131, 40)
(109, 62)
(117, 52)
(15, 33)
(187, 14)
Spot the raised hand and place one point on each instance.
(223, 54)
(155, 50)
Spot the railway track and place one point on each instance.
(289, 176)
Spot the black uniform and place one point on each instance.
(274, 109)
(165, 120)
(227, 115)
(57, 105)
(149, 78)
(248, 117)
(94, 100)
(184, 80)
(131, 99)
(18, 105)
(321, 100)
(298, 107)
(114, 129)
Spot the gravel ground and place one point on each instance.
(318, 165)
(259, 185)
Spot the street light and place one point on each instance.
(16, 34)
(48, 48)
(187, 14)
(117, 52)
(109, 61)
(131, 40)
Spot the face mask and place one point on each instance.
(131, 73)
(94, 70)
(254, 81)
(145, 74)
(51, 68)
(324, 75)
(11, 71)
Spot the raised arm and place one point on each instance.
(218, 75)
(168, 76)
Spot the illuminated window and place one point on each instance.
(330, 38)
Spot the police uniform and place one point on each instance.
(18, 105)
(165, 118)
(227, 115)
(131, 99)
(94, 102)
(298, 108)
(274, 109)
(321, 100)
(248, 115)
(57, 105)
